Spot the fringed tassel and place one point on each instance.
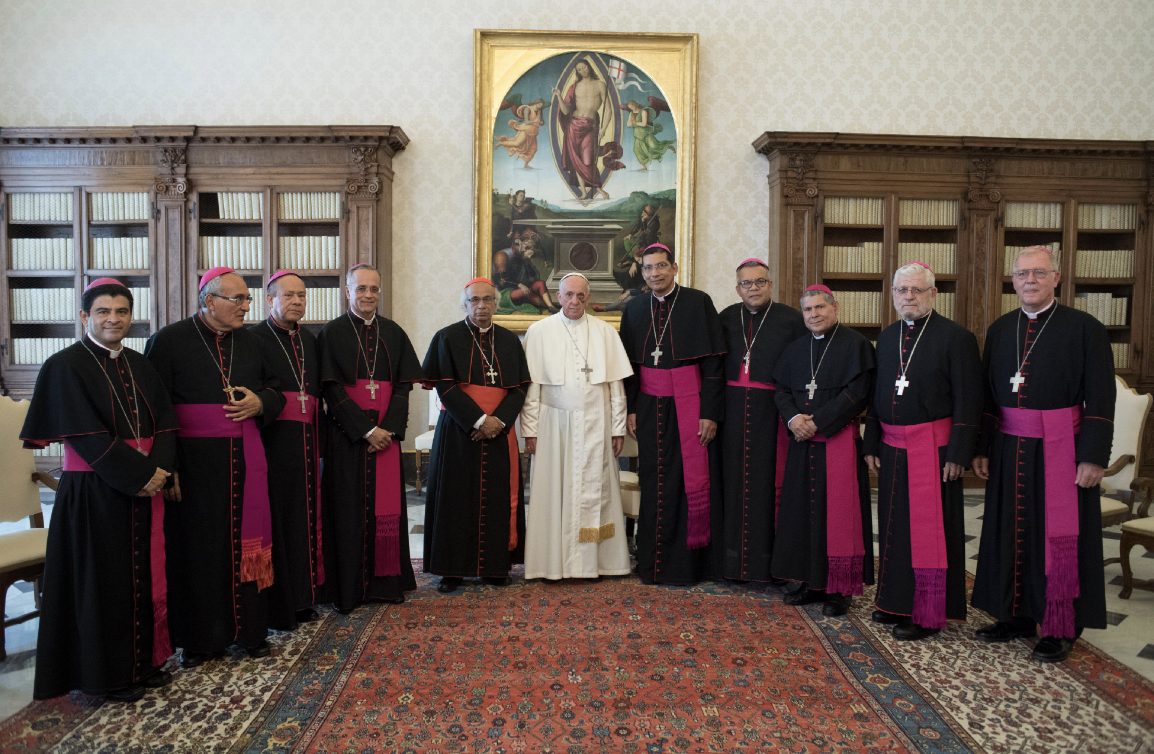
(845, 575)
(929, 597)
(387, 547)
(1059, 619)
(256, 563)
(161, 640)
(1061, 587)
(698, 506)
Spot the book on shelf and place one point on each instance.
(256, 310)
(1104, 263)
(51, 450)
(858, 307)
(238, 252)
(1039, 215)
(865, 257)
(1012, 253)
(939, 255)
(119, 206)
(1104, 307)
(1121, 353)
(854, 210)
(40, 207)
(324, 304)
(933, 212)
(127, 253)
(309, 205)
(944, 304)
(240, 205)
(1010, 302)
(44, 304)
(37, 350)
(310, 252)
(141, 303)
(42, 254)
(136, 344)
(1107, 216)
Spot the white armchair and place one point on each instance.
(1130, 411)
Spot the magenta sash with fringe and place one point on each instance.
(387, 499)
(207, 421)
(843, 524)
(927, 525)
(1058, 428)
(782, 452)
(292, 413)
(161, 641)
(683, 384)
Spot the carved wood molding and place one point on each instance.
(799, 177)
(981, 194)
(773, 141)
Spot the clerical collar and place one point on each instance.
(1043, 310)
(756, 312)
(471, 323)
(279, 326)
(111, 354)
(368, 321)
(573, 322)
(919, 320)
(667, 295)
(210, 328)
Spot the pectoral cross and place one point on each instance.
(587, 371)
(492, 374)
(1017, 381)
(811, 387)
(901, 384)
(372, 388)
(229, 393)
(303, 398)
(746, 360)
(657, 355)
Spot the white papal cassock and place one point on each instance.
(574, 524)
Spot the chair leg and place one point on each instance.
(3, 607)
(1124, 547)
(417, 470)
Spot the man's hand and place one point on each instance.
(246, 407)
(951, 471)
(489, 429)
(156, 484)
(874, 463)
(379, 439)
(531, 445)
(802, 427)
(706, 431)
(172, 494)
(631, 425)
(1089, 475)
(618, 444)
(981, 467)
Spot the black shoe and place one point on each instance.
(1003, 631)
(835, 605)
(910, 631)
(496, 581)
(1052, 649)
(345, 610)
(260, 650)
(194, 659)
(126, 695)
(157, 679)
(804, 597)
(306, 615)
(889, 619)
(775, 581)
(449, 584)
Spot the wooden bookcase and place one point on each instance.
(849, 209)
(156, 206)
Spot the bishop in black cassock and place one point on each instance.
(292, 446)
(921, 432)
(754, 441)
(673, 338)
(1040, 559)
(219, 529)
(824, 531)
(104, 619)
(368, 368)
(475, 509)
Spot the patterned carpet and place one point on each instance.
(614, 666)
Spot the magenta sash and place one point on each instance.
(387, 498)
(207, 421)
(843, 524)
(927, 524)
(683, 384)
(488, 398)
(292, 413)
(782, 437)
(1058, 428)
(161, 641)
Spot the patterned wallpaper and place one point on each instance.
(1042, 68)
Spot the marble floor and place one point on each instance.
(1129, 637)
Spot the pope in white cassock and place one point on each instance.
(573, 422)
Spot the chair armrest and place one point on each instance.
(1121, 463)
(1142, 489)
(46, 479)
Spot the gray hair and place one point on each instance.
(211, 288)
(351, 275)
(810, 294)
(1038, 250)
(465, 293)
(915, 268)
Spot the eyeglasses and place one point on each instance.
(658, 267)
(362, 289)
(474, 300)
(745, 285)
(905, 290)
(1038, 274)
(239, 299)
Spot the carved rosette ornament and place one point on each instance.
(174, 185)
(799, 180)
(367, 184)
(980, 195)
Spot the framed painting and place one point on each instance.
(583, 155)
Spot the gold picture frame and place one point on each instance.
(584, 149)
